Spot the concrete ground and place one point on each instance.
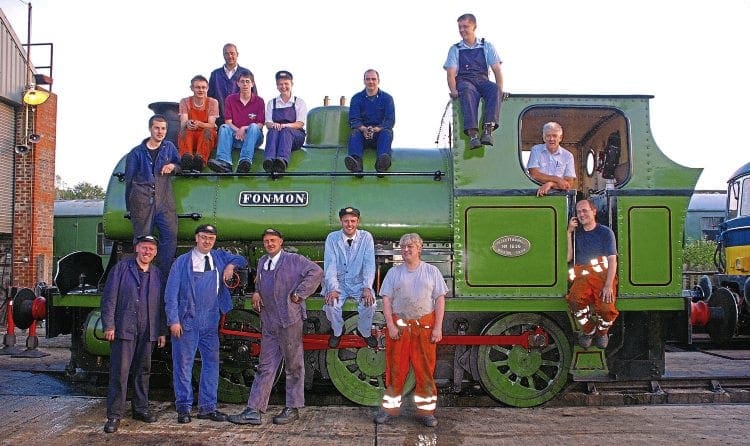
(38, 406)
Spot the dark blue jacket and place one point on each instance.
(179, 296)
(377, 112)
(118, 301)
(144, 181)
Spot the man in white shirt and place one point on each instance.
(550, 164)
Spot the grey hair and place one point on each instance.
(551, 126)
(411, 237)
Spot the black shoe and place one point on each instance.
(219, 166)
(198, 163)
(487, 135)
(268, 165)
(353, 163)
(183, 418)
(333, 341)
(244, 166)
(428, 420)
(186, 162)
(146, 417)
(111, 425)
(287, 415)
(382, 418)
(383, 163)
(371, 341)
(279, 165)
(248, 416)
(213, 416)
(474, 142)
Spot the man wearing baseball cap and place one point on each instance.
(282, 283)
(195, 296)
(349, 272)
(133, 320)
(286, 116)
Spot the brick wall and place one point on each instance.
(34, 201)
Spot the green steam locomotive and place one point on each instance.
(501, 249)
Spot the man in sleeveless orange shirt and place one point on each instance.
(197, 137)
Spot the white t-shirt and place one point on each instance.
(413, 293)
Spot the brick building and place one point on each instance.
(27, 167)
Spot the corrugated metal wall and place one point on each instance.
(12, 84)
(12, 63)
(7, 152)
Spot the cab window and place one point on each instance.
(596, 136)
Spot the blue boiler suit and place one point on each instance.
(280, 143)
(195, 299)
(150, 200)
(349, 270)
(131, 305)
(473, 83)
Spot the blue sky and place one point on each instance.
(690, 55)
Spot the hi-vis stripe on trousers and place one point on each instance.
(413, 349)
(586, 290)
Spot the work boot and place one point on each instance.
(145, 416)
(383, 163)
(111, 425)
(353, 163)
(601, 340)
(247, 416)
(198, 163)
(244, 166)
(428, 420)
(584, 340)
(370, 340)
(333, 341)
(219, 166)
(287, 415)
(183, 417)
(382, 418)
(279, 165)
(487, 134)
(186, 162)
(474, 142)
(213, 416)
(268, 165)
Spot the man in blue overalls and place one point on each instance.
(466, 65)
(285, 119)
(195, 295)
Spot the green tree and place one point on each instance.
(698, 255)
(81, 191)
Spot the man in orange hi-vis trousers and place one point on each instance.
(413, 305)
(594, 276)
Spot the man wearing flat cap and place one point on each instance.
(282, 283)
(133, 321)
(286, 116)
(349, 272)
(195, 296)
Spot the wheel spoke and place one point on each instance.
(359, 373)
(518, 376)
